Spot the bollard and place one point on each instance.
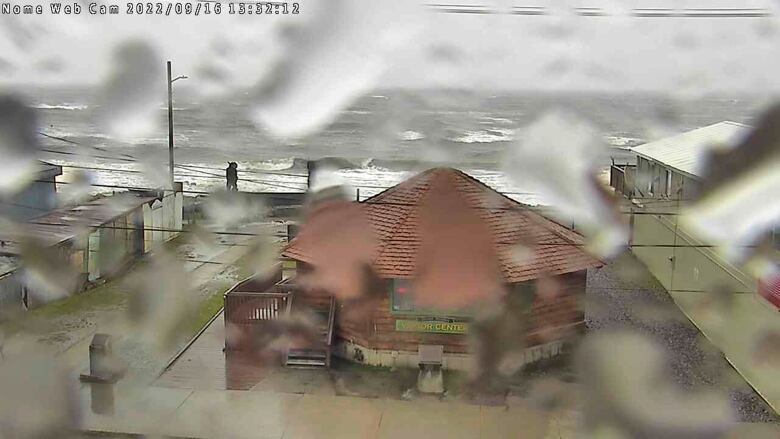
(431, 378)
(103, 367)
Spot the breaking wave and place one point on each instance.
(409, 136)
(65, 106)
(622, 141)
(485, 136)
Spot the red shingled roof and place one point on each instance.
(395, 217)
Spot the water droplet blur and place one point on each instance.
(227, 210)
(337, 55)
(38, 398)
(50, 65)
(18, 143)
(738, 180)
(78, 189)
(158, 306)
(47, 274)
(457, 263)
(338, 228)
(571, 185)
(767, 349)
(133, 91)
(6, 67)
(625, 378)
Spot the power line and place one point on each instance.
(52, 151)
(601, 12)
(283, 185)
(130, 158)
(403, 240)
(148, 229)
(265, 182)
(76, 143)
(367, 202)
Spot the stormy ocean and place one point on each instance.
(378, 141)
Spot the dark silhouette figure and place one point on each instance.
(231, 173)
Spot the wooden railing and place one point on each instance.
(246, 308)
(329, 336)
(621, 178)
(255, 301)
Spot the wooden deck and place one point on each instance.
(204, 366)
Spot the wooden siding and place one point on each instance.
(371, 322)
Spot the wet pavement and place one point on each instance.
(241, 414)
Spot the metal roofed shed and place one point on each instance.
(672, 168)
(34, 198)
(85, 243)
(67, 223)
(684, 152)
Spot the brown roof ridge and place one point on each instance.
(396, 187)
(411, 208)
(394, 214)
(525, 208)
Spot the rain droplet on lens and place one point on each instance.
(134, 91)
(18, 143)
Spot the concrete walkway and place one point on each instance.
(236, 414)
(242, 414)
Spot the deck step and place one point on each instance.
(307, 353)
(305, 363)
(307, 358)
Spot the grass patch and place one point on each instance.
(110, 294)
(207, 309)
(210, 306)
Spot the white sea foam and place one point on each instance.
(486, 136)
(410, 136)
(65, 106)
(623, 141)
(500, 120)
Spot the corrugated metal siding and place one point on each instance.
(684, 152)
(770, 290)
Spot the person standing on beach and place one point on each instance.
(231, 173)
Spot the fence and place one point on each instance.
(254, 302)
(621, 177)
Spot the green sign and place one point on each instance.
(431, 326)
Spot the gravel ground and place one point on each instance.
(624, 294)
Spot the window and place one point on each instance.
(668, 183)
(402, 297)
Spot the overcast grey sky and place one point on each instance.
(559, 51)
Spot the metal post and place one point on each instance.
(170, 124)
(311, 167)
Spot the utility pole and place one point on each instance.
(170, 124)
(170, 121)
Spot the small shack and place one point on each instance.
(671, 167)
(667, 177)
(35, 198)
(392, 330)
(90, 241)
